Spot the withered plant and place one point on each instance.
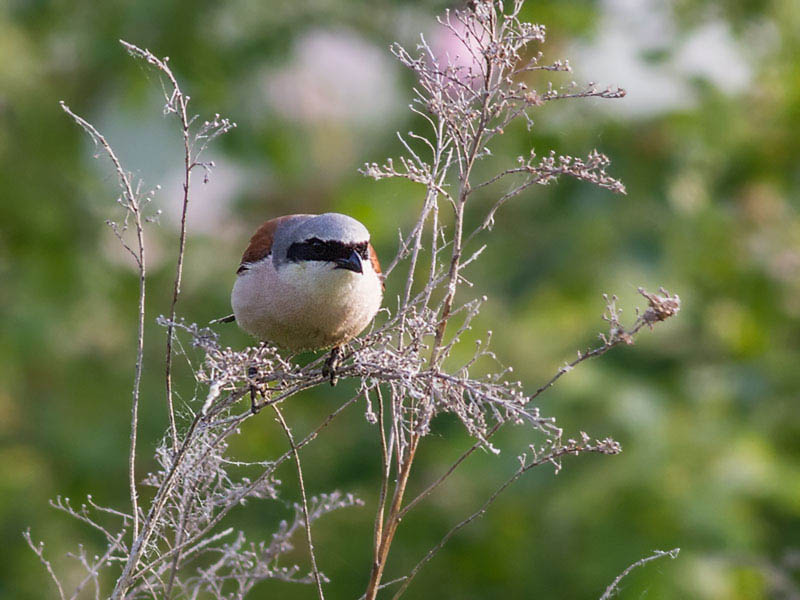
(176, 544)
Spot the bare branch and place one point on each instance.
(39, 551)
(177, 103)
(537, 459)
(300, 479)
(132, 205)
(614, 587)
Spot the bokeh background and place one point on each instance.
(706, 407)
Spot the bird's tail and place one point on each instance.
(227, 319)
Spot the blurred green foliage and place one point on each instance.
(706, 407)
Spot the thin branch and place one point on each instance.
(571, 448)
(614, 587)
(39, 551)
(404, 472)
(93, 570)
(296, 454)
(608, 343)
(385, 585)
(132, 206)
(173, 570)
(386, 464)
(176, 103)
(236, 499)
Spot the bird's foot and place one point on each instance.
(255, 391)
(330, 366)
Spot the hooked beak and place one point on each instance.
(351, 263)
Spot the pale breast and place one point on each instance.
(307, 305)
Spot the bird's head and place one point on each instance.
(330, 241)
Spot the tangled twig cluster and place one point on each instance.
(405, 367)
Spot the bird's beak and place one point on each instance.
(351, 263)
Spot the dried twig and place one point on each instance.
(39, 551)
(466, 105)
(302, 483)
(614, 587)
(177, 103)
(131, 201)
(552, 456)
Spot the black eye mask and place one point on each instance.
(330, 251)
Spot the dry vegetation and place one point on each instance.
(176, 544)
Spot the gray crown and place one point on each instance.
(326, 227)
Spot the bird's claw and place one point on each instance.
(255, 391)
(330, 366)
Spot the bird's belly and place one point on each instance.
(315, 311)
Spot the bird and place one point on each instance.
(308, 282)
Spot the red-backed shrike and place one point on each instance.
(308, 282)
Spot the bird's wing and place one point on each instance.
(260, 244)
(376, 264)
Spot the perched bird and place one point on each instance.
(308, 282)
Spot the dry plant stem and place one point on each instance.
(384, 586)
(137, 379)
(301, 480)
(404, 469)
(93, 570)
(390, 527)
(478, 513)
(185, 501)
(619, 337)
(386, 449)
(414, 257)
(614, 587)
(591, 353)
(427, 491)
(463, 195)
(132, 206)
(385, 528)
(126, 579)
(153, 517)
(386, 533)
(179, 102)
(200, 535)
(624, 337)
(176, 102)
(129, 574)
(39, 551)
(187, 178)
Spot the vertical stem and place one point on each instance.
(388, 530)
(153, 518)
(392, 522)
(463, 193)
(138, 375)
(296, 454)
(385, 472)
(173, 570)
(187, 176)
(133, 207)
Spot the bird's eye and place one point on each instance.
(317, 247)
(363, 250)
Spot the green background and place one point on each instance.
(706, 406)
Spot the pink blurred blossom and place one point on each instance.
(334, 75)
